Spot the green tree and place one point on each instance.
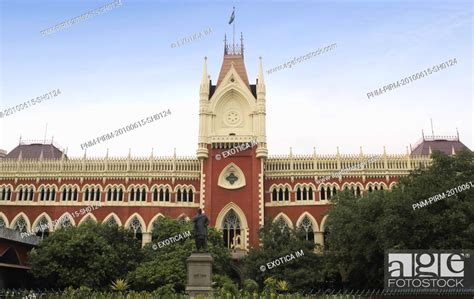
(166, 264)
(362, 229)
(90, 255)
(302, 273)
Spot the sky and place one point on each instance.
(118, 67)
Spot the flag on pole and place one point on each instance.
(232, 17)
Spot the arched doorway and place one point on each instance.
(233, 224)
(231, 230)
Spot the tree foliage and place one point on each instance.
(302, 273)
(362, 229)
(90, 255)
(166, 265)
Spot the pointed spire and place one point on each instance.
(151, 155)
(407, 151)
(129, 153)
(205, 79)
(20, 156)
(174, 153)
(85, 154)
(337, 150)
(429, 149)
(41, 155)
(107, 154)
(453, 152)
(457, 133)
(361, 152)
(261, 81)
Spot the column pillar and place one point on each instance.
(146, 238)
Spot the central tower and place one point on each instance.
(232, 148)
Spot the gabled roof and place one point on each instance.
(35, 150)
(445, 144)
(239, 65)
(233, 56)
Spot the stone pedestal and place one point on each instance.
(199, 274)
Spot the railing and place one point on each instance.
(148, 167)
(313, 165)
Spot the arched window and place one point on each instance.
(322, 193)
(274, 195)
(358, 192)
(2, 223)
(5, 193)
(137, 194)
(190, 195)
(111, 222)
(334, 191)
(298, 193)
(306, 226)
(20, 225)
(370, 189)
(92, 194)
(310, 193)
(161, 193)
(65, 222)
(45, 193)
(69, 193)
(231, 230)
(136, 227)
(115, 194)
(184, 194)
(282, 224)
(287, 194)
(42, 228)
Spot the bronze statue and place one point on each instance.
(200, 223)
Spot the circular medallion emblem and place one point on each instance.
(232, 118)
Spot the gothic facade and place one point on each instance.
(232, 178)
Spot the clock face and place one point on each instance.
(232, 118)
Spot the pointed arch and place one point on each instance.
(62, 219)
(18, 217)
(242, 235)
(114, 216)
(86, 217)
(183, 216)
(238, 211)
(5, 219)
(140, 219)
(38, 219)
(313, 221)
(323, 223)
(392, 184)
(285, 218)
(150, 225)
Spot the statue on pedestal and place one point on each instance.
(200, 223)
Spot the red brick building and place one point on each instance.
(232, 176)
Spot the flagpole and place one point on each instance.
(233, 29)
